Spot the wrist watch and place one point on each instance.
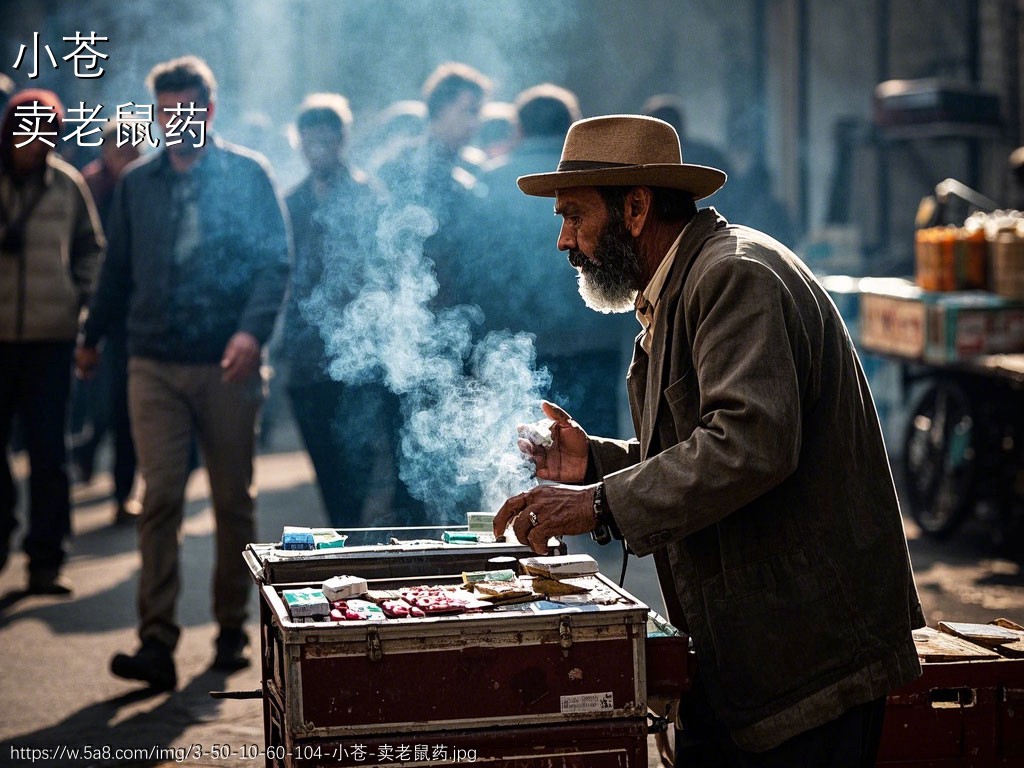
(602, 533)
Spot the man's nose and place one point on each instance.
(566, 237)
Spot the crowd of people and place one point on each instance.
(164, 281)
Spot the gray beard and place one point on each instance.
(611, 286)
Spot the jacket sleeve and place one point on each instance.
(608, 455)
(109, 305)
(87, 243)
(743, 437)
(269, 241)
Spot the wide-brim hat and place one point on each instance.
(623, 150)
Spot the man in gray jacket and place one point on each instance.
(758, 479)
(198, 264)
(50, 247)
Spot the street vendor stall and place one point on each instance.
(468, 660)
(957, 330)
(421, 651)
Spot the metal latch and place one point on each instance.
(373, 651)
(565, 633)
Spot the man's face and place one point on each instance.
(172, 100)
(29, 157)
(457, 123)
(600, 248)
(321, 146)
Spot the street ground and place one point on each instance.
(56, 692)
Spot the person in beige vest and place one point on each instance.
(50, 247)
(758, 479)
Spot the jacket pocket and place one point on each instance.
(777, 630)
(683, 402)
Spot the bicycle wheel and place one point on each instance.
(940, 458)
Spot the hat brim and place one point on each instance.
(698, 180)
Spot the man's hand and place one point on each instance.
(565, 461)
(86, 360)
(546, 511)
(241, 357)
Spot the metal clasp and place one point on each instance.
(565, 633)
(373, 650)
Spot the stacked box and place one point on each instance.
(898, 318)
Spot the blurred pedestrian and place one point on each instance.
(105, 395)
(347, 428)
(582, 350)
(496, 136)
(379, 137)
(51, 242)
(758, 479)
(197, 267)
(670, 108)
(426, 169)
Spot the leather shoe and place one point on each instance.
(232, 650)
(48, 582)
(153, 663)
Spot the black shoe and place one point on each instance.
(153, 663)
(48, 582)
(232, 650)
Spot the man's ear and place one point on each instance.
(638, 206)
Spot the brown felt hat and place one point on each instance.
(623, 150)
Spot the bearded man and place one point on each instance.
(758, 479)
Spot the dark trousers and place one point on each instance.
(35, 386)
(347, 429)
(849, 741)
(106, 401)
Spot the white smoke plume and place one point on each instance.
(461, 402)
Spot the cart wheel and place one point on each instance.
(939, 458)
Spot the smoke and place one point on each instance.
(461, 401)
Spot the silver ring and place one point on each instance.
(533, 519)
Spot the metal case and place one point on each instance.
(537, 663)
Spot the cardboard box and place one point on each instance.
(898, 318)
(892, 317)
(966, 324)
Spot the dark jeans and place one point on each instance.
(35, 386)
(346, 428)
(106, 401)
(849, 741)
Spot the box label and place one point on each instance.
(587, 702)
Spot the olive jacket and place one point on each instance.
(45, 283)
(760, 482)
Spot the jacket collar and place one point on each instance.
(212, 158)
(703, 226)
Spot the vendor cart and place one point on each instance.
(556, 681)
(963, 374)
(560, 681)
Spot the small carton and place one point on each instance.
(480, 522)
(306, 602)
(328, 538)
(560, 566)
(297, 538)
(343, 587)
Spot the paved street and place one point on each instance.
(56, 692)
